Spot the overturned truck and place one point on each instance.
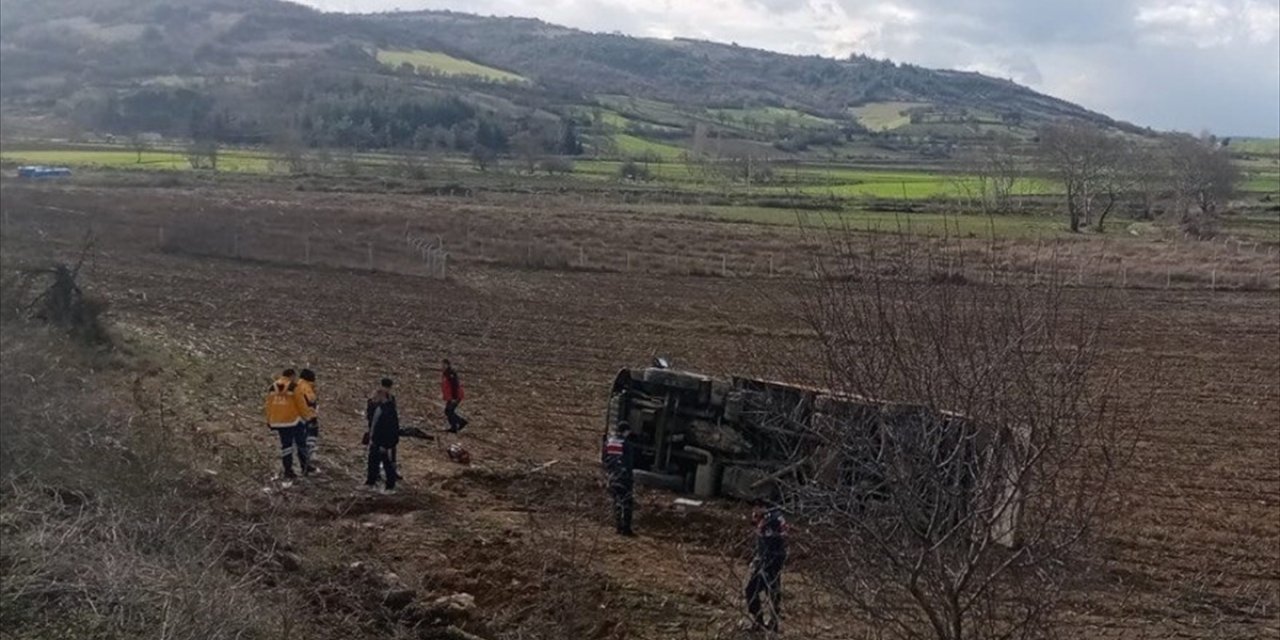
(744, 438)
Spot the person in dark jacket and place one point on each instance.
(310, 415)
(383, 436)
(451, 391)
(618, 462)
(764, 587)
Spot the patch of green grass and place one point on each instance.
(770, 116)
(1258, 146)
(645, 110)
(445, 64)
(884, 116)
(1261, 182)
(929, 224)
(634, 147)
(236, 161)
(670, 173)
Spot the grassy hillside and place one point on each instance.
(262, 71)
(885, 116)
(437, 62)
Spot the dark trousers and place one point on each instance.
(764, 593)
(293, 440)
(381, 457)
(313, 438)
(456, 421)
(623, 504)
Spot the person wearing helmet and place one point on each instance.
(310, 415)
(764, 587)
(617, 460)
(284, 409)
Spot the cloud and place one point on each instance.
(1180, 64)
(1208, 23)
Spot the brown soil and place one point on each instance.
(1198, 553)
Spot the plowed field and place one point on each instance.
(524, 529)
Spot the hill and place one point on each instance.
(267, 71)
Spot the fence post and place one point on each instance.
(1080, 275)
(235, 245)
(306, 249)
(724, 266)
(444, 266)
(628, 261)
(582, 257)
(159, 230)
(1124, 275)
(1213, 279)
(771, 265)
(370, 249)
(1168, 276)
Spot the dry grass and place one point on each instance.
(106, 533)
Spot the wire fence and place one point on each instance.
(416, 248)
(1194, 265)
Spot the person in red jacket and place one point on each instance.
(451, 390)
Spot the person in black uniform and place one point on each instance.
(764, 587)
(618, 463)
(383, 436)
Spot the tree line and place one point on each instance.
(1100, 173)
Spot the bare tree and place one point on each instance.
(203, 154)
(1121, 178)
(140, 144)
(996, 168)
(1078, 155)
(483, 157)
(1151, 168)
(527, 147)
(290, 151)
(963, 458)
(1204, 177)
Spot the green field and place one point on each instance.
(1261, 182)
(446, 64)
(635, 147)
(771, 116)
(922, 224)
(645, 111)
(236, 161)
(1258, 146)
(884, 116)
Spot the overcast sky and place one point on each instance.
(1170, 64)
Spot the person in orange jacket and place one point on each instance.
(451, 390)
(285, 408)
(310, 415)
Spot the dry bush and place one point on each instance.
(958, 495)
(105, 531)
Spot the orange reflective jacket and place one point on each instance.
(284, 407)
(307, 392)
